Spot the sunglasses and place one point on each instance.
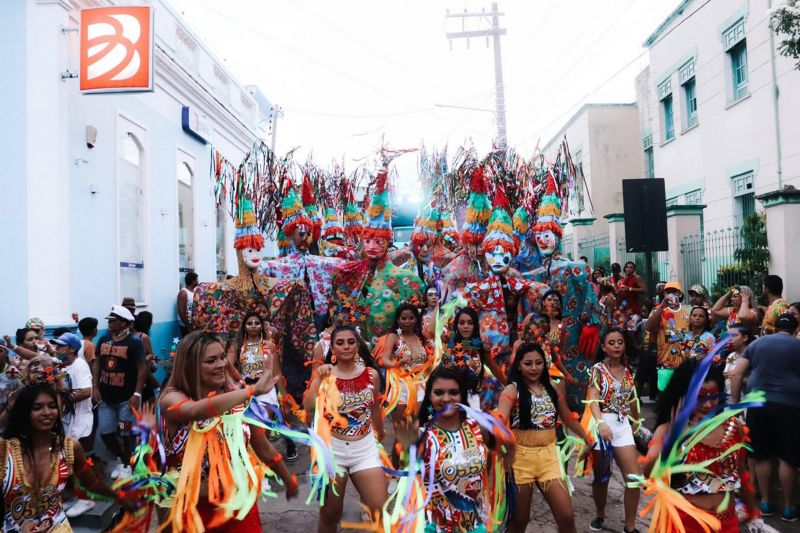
(717, 396)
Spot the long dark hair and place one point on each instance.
(143, 322)
(560, 301)
(515, 375)
(19, 419)
(474, 340)
(417, 317)
(601, 355)
(673, 395)
(426, 408)
(241, 335)
(363, 349)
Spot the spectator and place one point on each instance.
(669, 322)
(699, 339)
(631, 289)
(78, 422)
(141, 327)
(26, 346)
(698, 296)
(186, 302)
(616, 275)
(794, 309)
(88, 328)
(36, 324)
(737, 306)
(738, 339)
(646, 373)
(585, 259)
(773, 362)
(776, 305)
(9, 378)
(129, 303)
(119, 376)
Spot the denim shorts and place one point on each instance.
(115, 419)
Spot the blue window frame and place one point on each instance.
(669, 119)
(690, 96)
(738, 56)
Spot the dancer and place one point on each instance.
(533, 405)
(572, 279)
(431, 314)
(352, 422)
(739, 337)
(408, 357)
(254, 348)
(709, 488)
(458, 447)
(612, 401)
(547, 330)
(207, 441)
(465, 353)
(37, 460)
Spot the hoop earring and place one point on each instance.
(333, 359)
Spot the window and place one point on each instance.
(131, 216)
(672, 201)
(185, 220)
(693, 197)
(691, 103)
(669, 119)
(736, 48)
(650, 161)
(221, 266)
(744, 196)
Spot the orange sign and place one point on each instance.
(116, 49)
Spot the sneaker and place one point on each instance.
(120, 471)
(291, 455)
(789, 514)
(766, 509)
(597, 524)
(79, 508)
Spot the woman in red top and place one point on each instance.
(630, 289)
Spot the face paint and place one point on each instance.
(499, 260)
(252, 257)
(546, 241)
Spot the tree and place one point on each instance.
(784, 19)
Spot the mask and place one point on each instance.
(499, 260)
(301, 237)
(375, 248)
(423, 253)
(546, 241)
(251, 257)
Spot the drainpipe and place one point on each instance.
(775, 95)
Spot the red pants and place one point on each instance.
(729, 523)
(251, 522)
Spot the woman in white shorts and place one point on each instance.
(354, 447)
(612, 402)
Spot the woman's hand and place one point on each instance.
(324, 371)
(148, 414)
(266, 381)
(605, 432)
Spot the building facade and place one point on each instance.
(718, 109)
(106, 195)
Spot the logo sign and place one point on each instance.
(116, 51)
(195, 124)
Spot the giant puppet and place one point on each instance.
(368, 291)
(580, 311)
(285, 303)
(428, 255)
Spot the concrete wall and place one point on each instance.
(729, 138)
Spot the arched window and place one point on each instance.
(131, 221)
(185, 219)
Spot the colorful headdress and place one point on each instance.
(447, 227)
(247, 234)
(379, 214)
(332, 228)
(310, 205)
(500, 231)
(292, 212)
(353, 221)
(548, 216)
(425, 226)
(478, 209)
(522, 223)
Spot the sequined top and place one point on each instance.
(356, 398)
(615, 396)
(251, 359)
(723, 475)
(456, 503)
(466, 357)
(27, 511)
(416, 360)
(542, 415)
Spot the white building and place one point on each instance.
(84, 226)
(712, 124)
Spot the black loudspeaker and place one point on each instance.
(645, 205)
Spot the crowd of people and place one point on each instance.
(446, 381)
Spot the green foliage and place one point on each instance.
(785, 22)
(752, 258)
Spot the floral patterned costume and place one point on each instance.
(315, 271)
(572, 280)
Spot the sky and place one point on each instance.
(351, 74)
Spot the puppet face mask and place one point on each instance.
(499, 260)
(546, 241)
(301, 237)
(251, 257)
(375, 248)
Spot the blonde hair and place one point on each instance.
(185, 375)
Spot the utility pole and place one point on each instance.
(276, 113)
(495, 32)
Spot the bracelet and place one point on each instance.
(138, 395)
(250, 392)
(213, 412)
(276, 459)
(293, 484)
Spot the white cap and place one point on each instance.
(117, 311)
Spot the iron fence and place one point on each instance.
(661, 270)
(595, 248)
(566, 246)
(710, 259)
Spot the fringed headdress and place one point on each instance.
(548, 216)
(478, 209)
(247, 234)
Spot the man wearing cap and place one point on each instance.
(669, 322)
(118, 379)
(698, 296)
(773, 362)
